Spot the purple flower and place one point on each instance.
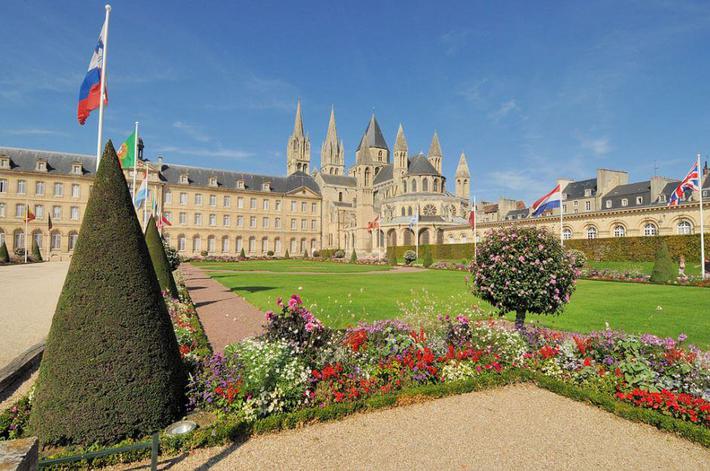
(682, 338)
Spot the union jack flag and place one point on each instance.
(690, 182)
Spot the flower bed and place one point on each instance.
(637, 277)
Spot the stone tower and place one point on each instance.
(401, 151)
(463, 178)
(434, 156)
(332, 153)
(298, 152)
(377, 151)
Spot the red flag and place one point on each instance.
(374, 224)
(472, 218)
(29, 216)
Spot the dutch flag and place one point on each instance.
(547, 202)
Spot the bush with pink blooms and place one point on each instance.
(296, 326)
(524, 269)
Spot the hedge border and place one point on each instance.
(228, 429)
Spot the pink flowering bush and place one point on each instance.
(524, 270)
(296, 326)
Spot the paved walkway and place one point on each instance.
(29, 298)
(226, 317)
(517, 427)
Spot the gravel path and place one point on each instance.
(29, 297)
(225, 316)
(517, 427)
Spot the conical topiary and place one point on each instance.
(427, 260)
(161, 265)
(305, 253)
(353, 257)
(111, 368)
(664, 270)
(242, 255)
(4, 255)
(393, 259)
(36, 254)
(286, 255)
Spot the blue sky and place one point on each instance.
(531, 91)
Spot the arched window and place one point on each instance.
(2, 236)
(252, 244)
(238, 245)
(591, 232)
(414, 186)
(650, 229)
(277, 246)
(292, 245)
(181, 243)
(225, 244)
(619, 231)
(55, 241)
(313, 245)
(211, 244)
(196, 243)
(436, 185)
(403, 211)
(685, 227)
(567, 233)
(367, 176)
(409, 211)
(303, 245)
(425, 184)
(264, 245)
(37, 237)
(404, 186)
(72, 238)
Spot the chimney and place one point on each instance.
(657, 185)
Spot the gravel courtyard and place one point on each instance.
(29, 296)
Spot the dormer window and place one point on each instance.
(662, 198)
(41, 166)
(587, 192)
(213, 181)
(564, 196)
(608, 204)
(240, 184)
(76, 169)
(184, 179)
(624, 202)
(4, 161)
(266, 186)
(639, 200)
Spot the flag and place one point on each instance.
(127, 152)
(49, 222)
(141, 194)
(690, 182)
(547, 202)
(414, 221)
(91, 86)
(374, 224)
(163, 221)
(472, 218)
(29, 216)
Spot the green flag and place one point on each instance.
(127, 152)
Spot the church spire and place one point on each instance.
(400, 152)
(435, 154)
(298, 123)
(462, 168)
(401, 141)
(298, 151)
(463, 178)
(332, 155)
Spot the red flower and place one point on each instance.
(587, 361)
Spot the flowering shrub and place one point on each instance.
(409, 257)
(14, 420)
(577, 258)
(683, 406)
(295, 325)
(191, 338)
(524, 270)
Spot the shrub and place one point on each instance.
(286, 255)
(393, 260)
(410, 256)
(295, 325)
(339, 254)
(161, 265)
(19, 251)
(36, 254)
(577, 257)
(427, 260)
(305, 253)
(4, 256)
(664, 269)
(353, 257)
(242, 254)
(173, 256)
(316, 254)
(204, 253)
(111, 367)
(270, 253)
(523, 269)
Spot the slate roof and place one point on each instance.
(385, 174)
(420, 165)
(24, 160)
(517, 214)
(338, 180)
(373, 135)
(200, 177)
(575, 190)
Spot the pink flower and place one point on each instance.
(521, 259)
(269, 315)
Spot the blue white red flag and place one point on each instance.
(91, 86)
(141, 194)
(690, 182)
(547, 202)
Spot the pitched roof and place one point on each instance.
(385, 174)
(401, 141)
(630, 189)
(420, 165)
(24, 160)
(517, 213)
(435, 147)
(462, 167)
(373, 135)
(575, 190)
(338, 180)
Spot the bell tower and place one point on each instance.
(298, 152)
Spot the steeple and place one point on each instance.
(400, 152)
(435, 154)
(463, 178)
(298, 151)
(332, 154)
(373, 138)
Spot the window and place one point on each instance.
(314, 207)
(252, 203)
(240, 221)
(587, 205)
(212, 181)
(74, 213)
(587, 192)
(293, 224)
(639, 200)
(340, 196)
(608, 204)
(303, 224)
(213, 219)
(225, 244)
(240, 184)
(277, 246)
(564, 208)
(404, 186)
(575, 203)
(3, 185)
(264, 245)
(414, 186)
(293, 246)
(213, 200)
(198, 219)
(20, 210)
(37, 237)
(425, 184)
(196, 243)
(19, 239)
(266, 186)
(265, 222)
(662, 198)
(277, 205)
(182, 218)
(75, 190)
(58, 189)
(252, 221)
(21, 187)
(39, 188)
(210, 244)
(624, 202)
(184, 179)
(226, 201)
(55, 240)
(293, 206)
(4, 162)
(252, 244)
(685, 227)
(198, 199)
(277, 223)
(619, 231)
(313, 224)
(303, 206)
(39, 211)
(183, 199)
(239, 244)
(591, 232)
(226, 220)
(181, 243)
(168, 196)
(650, 229)
(2, 211)
(73, 237)
(567, 234)
(436, 185)
(57, 212)
(240, 203)
(265, 204)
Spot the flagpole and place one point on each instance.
(562, 239)
(416, 235)
(475, 248)
(145, 201)
(104, 66)
(27, 216)
(135, 161)
(702, 223)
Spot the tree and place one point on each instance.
(242, 254)
(353, 257)
(664, 270)
(427, 260)
(524, 270)
(111, 368)
(4, 255)
(36, 254)
(286, 255)
(410, 256)
(161, 264)
(305, 253)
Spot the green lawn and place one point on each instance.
(295, 265)
(639, 267)
(341, 299)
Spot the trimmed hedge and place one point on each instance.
(111, 367)
(4, 255)
(664, 271)
(161, 264)
(36, 254)
(613, 249)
